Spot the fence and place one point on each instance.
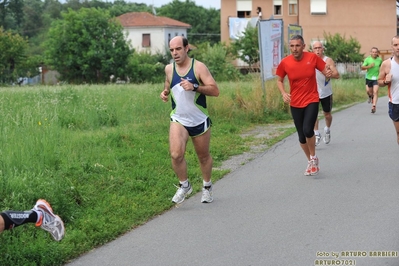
(350, 70)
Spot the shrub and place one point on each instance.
(342, 50)
(218, 62)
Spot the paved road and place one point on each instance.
(268, 213)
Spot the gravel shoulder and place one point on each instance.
(260, 138)
(264, 136)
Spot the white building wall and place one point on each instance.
(159, 38)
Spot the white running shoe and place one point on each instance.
(207, 195)
(318, 138)
(327, 137)
(181, 193)
(49, 221)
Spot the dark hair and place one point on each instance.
(375, 48)
(297, 37)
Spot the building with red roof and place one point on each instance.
(148, 32)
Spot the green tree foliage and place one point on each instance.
(12, 55)
(121, 7)
(205, 23)
(3, 12)
(33, 21)
(52, 10)
(146, 68)
(342, 50)
(87, 46)
(15, 7)
(11, 13)
(246, 47)
(218, 61)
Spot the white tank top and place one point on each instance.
(323, 84)
(393, 88)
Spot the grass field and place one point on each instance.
(99, 154)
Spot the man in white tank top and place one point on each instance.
(325, 93)
(188, 82)
(389, 75)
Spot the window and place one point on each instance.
(277, 7)
(293, 7)
(318, 7)
(244, 8)
(146, 40)
(169, 38)
(243, 14)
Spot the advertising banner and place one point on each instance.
(271, 46)
(294, 30)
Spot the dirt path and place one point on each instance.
(262, 135)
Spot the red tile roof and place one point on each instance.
(145, 19)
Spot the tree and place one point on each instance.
(218, 60)
(247, 47)
(205, 23)
(15, 7)
(33, 21)
(342, 50)
(144, 67)
(121, 7)
(12, 56)
(3, 12)
(87, 46)
(11, 14)
(52, 9)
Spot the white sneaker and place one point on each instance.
(207, 195)
(181, 193)
(327, 137)
(318, 138)
(49, 221)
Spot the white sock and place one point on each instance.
(207, 184)
(184, 183)
(326, 129)
(316, 132)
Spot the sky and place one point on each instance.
(158, 3)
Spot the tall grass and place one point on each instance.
(100, 156)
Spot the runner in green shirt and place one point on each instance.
(372, 64)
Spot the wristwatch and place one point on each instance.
(195, 85)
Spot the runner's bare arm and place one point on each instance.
(334, 71)
(208, 84)
(384, 78)
(166, 90)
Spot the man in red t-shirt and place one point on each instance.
(303, 97)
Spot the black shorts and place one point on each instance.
(326, 104)
(393, 111)
(196, 130)
(371, 83)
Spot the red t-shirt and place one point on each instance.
(302, 77)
